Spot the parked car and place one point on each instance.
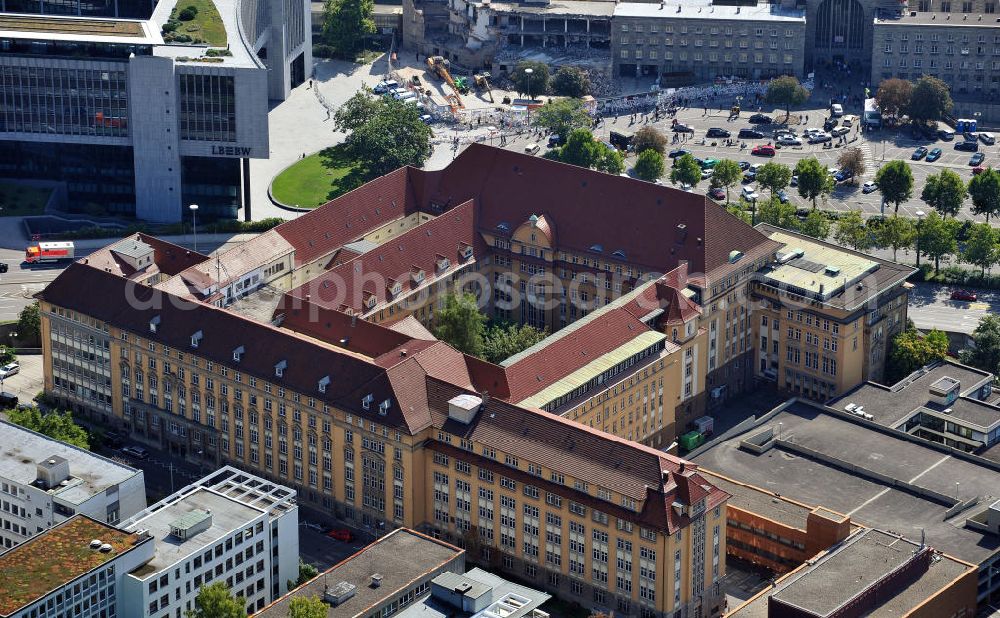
(750, 193)
(978, 170)
(744, 165)
(919, 153)
(682, 128)
(763, 151)
(708, 162)
(837, 110)
(783, 197)
(136, 451)
(987, 138)
(789, 140)
(760, 119)
(946, 134)
(869, 187)
(706, 173)
(532, 149)
(819, 138)
(341, 534)
(829, 124)
(934, 154)
(967, 146)
(555, 141)
(9, 369)
(680, 152)
(717, 193)
(848, 120)
(840, 131)
(974, 161)
(113, 439)
(717, 132)
(794, 181)
(966, 295)
(749, 176)
(7, 400)
(843, 175)
(385, 86)
(750, 134)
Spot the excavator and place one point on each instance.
(482, 81)
(440, 67)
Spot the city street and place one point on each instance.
(930, 307)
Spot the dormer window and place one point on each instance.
(154, 323)
(395, 287)
(383, 407)
(237, 353)
(366, 403)
(279, 369)
(417, 274)
(323, 383)
(370, 300)
(465, 250)
(442, 263)
(196, 339)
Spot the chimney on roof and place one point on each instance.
(682, 232)
(682, 465)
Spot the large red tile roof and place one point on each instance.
(593, 208)
(356, 280)
(350, 216)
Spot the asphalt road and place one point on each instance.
(931, 307)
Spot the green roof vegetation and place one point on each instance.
(195, 21)
(49, 560)
(63, 25)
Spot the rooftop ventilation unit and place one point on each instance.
(338, 593)
(376, 580)
(464, 408)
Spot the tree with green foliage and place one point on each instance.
(570, 82)
(774, 176)
(893, 96)
(54, 424)
(985, 350)
(306, 572)
(503, 340)
(981, 248)
(686, 171)
(816, 224)
(609, 160)
(814, 179)
(346, 24)
(852, 231)
(649, 165)
(562, 117)
(649, 138)
(938, 237)
(383, 134)
(217, 601)
(895, 233)
(772, 211)
(852, 160)
(895, 182)
(945, 192)
(930, 100)
(739, 209)
(985, 191)
(461, 324)
(29, 322)
(7, 354)
(580, 149)
(533, 84)
(726, 174)
(307, 607)
(911, 351)
(785, 92)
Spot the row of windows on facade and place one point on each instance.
(699, 57)
(713, 30)
(728, 43)
(979, 50)
(944, 6)
(93, 596)
(947, 65)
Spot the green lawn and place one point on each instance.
(20, 200)
(317, 179)
(207, 25)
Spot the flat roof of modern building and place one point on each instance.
(228, 515)
(559, 8)
(61, 554)
(892, 405)
(81, 29)
(480, 583)
(709, 11)
(22, 449)
(840, 277)
(400, 557)
(761, 501)
(195, 54)
(824, 586)
(877, 476)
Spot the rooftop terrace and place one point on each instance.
(56, 557)
(82, 29)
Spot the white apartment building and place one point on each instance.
(230, 526)
(44, 482)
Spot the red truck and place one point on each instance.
(48, 252)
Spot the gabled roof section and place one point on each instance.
(656, 226)
(350, 216)
(168, 258)
(369, 278)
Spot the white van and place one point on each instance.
(848, 120)
(409, 97)
(836, 110)
(532, 149)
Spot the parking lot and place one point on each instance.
(28, 381)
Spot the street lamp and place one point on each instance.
(920, 217)
(194, 224)
(529, 73)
